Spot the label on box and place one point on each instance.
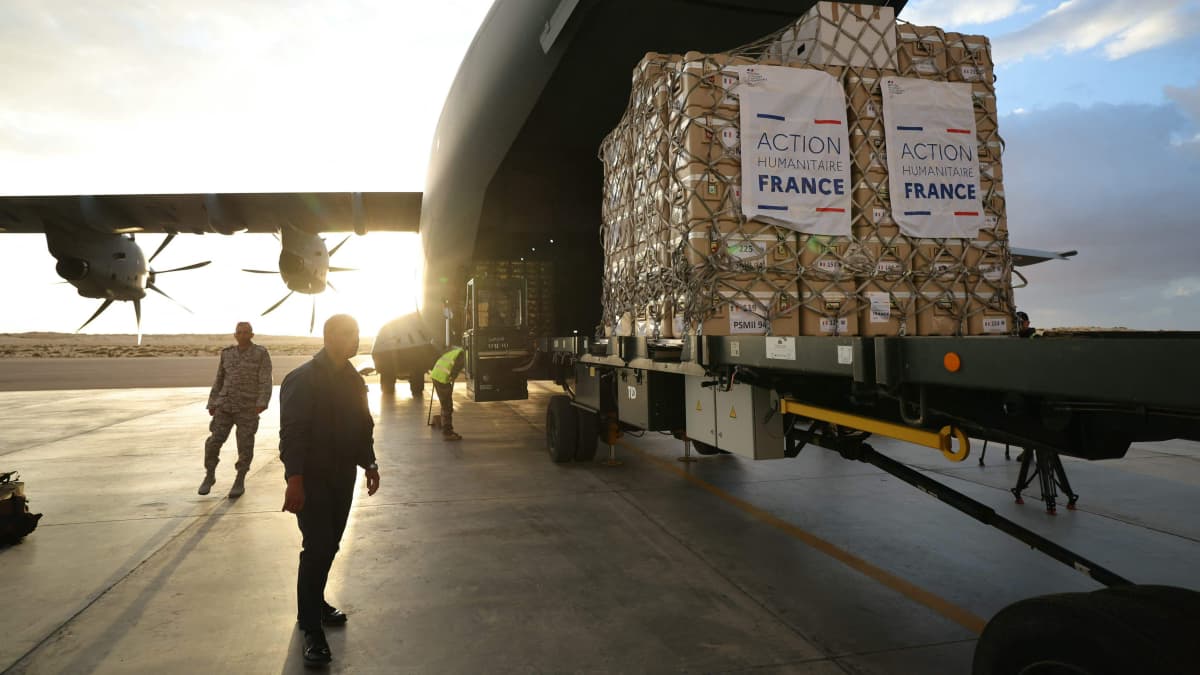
(992, 221)
(992, 271)
(729, 82)
(841, 326)
(943, 268)
(730, 138)
(881, 307)
(926, 65)
(880, 214)
(971, 73)
(829, 266)
(743, 322)
(845, 355)
(747, 250)
(889, 267)
(735, 348)
(781, 348)
(993, 325)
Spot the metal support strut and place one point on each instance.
(853, 447)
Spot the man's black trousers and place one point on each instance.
(322, 520)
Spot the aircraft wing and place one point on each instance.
(1031, 256)
(313, 212)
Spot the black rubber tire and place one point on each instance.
(1131, 629)
(387, 383)
(589, 435)
(416, 385)
(562, 429)
(701, 448)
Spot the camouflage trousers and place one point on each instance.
(224, 421)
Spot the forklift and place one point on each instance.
(497, 339)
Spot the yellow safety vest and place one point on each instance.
(445, 364)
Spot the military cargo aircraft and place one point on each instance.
(92, 236)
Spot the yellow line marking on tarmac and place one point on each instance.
(947, 609)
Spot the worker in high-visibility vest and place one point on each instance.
(443, 374)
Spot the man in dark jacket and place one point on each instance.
(325, 430)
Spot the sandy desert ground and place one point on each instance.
(68, 345)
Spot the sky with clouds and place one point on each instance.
(1100, 103)
(1100, 112)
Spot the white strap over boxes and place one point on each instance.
(933, 165)
(795, 149)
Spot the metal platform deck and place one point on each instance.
(483, 556)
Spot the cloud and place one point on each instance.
(1106, 180)
(954, 13)
(1120, 27)
(225, 95)
(1188, 101)
(1183, 288)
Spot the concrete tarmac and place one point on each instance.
(483, 556)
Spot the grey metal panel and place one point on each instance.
(650, 400)
(587, 385)
(1154, 370)
(699, 409)
(815, 355)
(743, 425)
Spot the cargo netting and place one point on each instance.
(681, 258)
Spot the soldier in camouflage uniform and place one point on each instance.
(239, 395)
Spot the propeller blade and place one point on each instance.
(186, 267)
(335, 248)
(343, 269)
(161, 247)
(312, 322)
(163, 293)
(260, 271)
(331, 286)
(272, 307)
(137, 312)
(103, 307)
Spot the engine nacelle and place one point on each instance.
(72, 269)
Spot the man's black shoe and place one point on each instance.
(316, 649)
(332, 616)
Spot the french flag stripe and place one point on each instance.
(766, 116)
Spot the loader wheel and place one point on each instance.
(589, 435)
(387, 383)
(1124, 629)
(562, 429)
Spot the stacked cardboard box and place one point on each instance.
(682, 258)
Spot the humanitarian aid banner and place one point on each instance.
(932, 157)
(795, 149)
